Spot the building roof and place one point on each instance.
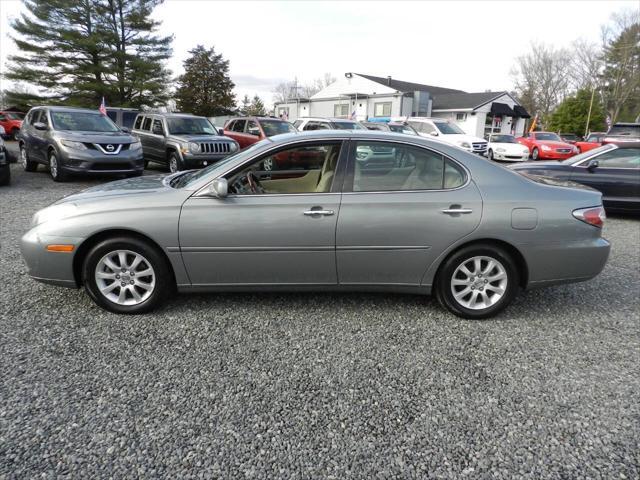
(451, 101)
(403, 86)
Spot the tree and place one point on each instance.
(78, 51)
(542, 78)
(621, 75)
(571, 115)
(205, 87)
(245, 105)
(257, 107)
(586, 64)
(285, 91)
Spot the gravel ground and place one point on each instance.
(316, 386)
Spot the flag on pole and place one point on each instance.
(534, 123)
(103, 107)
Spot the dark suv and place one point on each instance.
(181, 141)
(76, 140)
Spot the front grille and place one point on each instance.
(111, 166)
(479, 147)
(215, 147)
(563, 150)
(513, 156)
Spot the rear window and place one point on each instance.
(128, 118)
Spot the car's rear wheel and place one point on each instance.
(535, 154)
(57, 171)
(27, 164)
(477, 282)
(126, 275)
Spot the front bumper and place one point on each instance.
(507, 157)
(200, 161)
(553, 155)
(54, 268)
(95, 162)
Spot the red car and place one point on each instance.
(11, 122)
(547, 145)
(594, 140)
(249, 130)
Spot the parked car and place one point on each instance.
(236, 226)
(571, 138)
(5, 170)
(547, 145)
(11, 123)
(593, 140)
(180, 141)
(397, 127)
(448, 132)
(623, 132)
(249, 130)
(123, 117)
(506, 147)
(77, 141)
(612, 169)
(306, 124)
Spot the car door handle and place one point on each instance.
(318, 212)
(452, 211)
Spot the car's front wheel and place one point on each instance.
(14, 134)
(477, 282)
(126, 275)
(535, 154)
(175, 164)
(27, 164)
(57, 171)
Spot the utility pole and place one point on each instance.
(586, 128)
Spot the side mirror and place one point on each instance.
(40, 126)
(593, 164)
(125, 130)
(434, 134)
(219, 188)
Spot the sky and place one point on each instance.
(467, 45)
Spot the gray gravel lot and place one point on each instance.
(316, 385)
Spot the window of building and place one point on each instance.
(461, 117)
(381, 166)
(382, 109)
(341, 110)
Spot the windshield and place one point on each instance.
(627, 130)
(503, 139)
(448, 128)
(348, 126)
(82, 121)
(195, 175)
(402, 129)
(570, 136)
(190, 126)
(276, 127)
(548, 136)
(590, 153)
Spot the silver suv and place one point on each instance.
(75, 140)
(181, 141)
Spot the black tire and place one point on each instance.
(57, 174)
(443, 287)
(174, 157)
(146, 163)
(5, 176)
(490, 154)
(14, 134)
(27, 165)
(535, 154)
(164, 283)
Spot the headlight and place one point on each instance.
(525, 151)
(74, 145)
(234, 147)
(464, 144)
(53, 213)
(136, 145)
(546, 148)
(194, 147)
(500, 149)
(575, 149)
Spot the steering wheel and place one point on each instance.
(254, 183)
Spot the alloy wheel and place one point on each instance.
(173, 164)
(479, 282)
(125, 277)
(53, 165)
(23, 157)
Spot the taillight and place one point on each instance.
(593, 216)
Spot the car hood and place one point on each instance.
(554, 144)
(96, 137)
(509, 147)
(201, 138)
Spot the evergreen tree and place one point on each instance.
(78, 51)
(246, 105)
(205, 87)
(257, 107)
(571, 115)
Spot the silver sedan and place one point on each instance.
(334, 210)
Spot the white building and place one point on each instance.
(367, 97)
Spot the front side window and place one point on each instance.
(448, 128)
(309, 168)
(382, 109)
(381, 166)
(82, 121)
(297, 123)
(620, 158)
(422, 127)
(157, 127)
(341, 110)
(238, 126)
(43, 118)
(253, 128)
(190, 126)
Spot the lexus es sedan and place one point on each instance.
(380, 211)
(612, 169)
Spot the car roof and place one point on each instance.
(251, 117)
(329, 119)
(174, 115)
(67, 109)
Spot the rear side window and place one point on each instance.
(128, 118)
(381, 166)
(138, 123)
(146, 125)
